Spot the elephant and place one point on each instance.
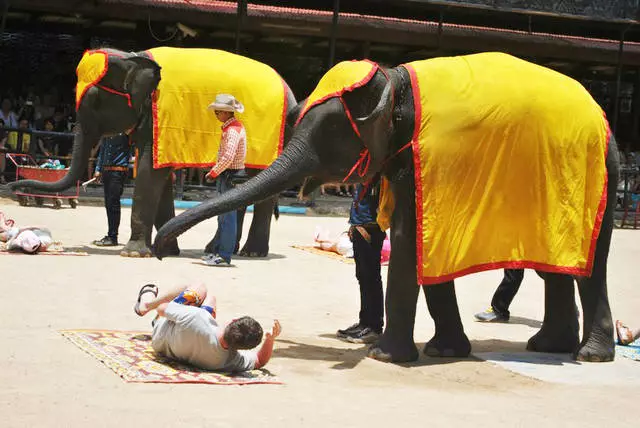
(365, 131)
(121, 101)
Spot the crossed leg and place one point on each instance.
(191, 295)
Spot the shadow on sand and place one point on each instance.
(348, 358)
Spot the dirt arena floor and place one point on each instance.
(46, 381)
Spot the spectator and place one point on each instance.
(20, 141)
(7, 115)
(3, 150)
(47, 143)
(60, 124)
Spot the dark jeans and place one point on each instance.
(113, 186)
(507, 290)
(228, 222)
(367, 258)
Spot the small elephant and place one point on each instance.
(122, 92)
(451, 135)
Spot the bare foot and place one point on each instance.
(624, 334)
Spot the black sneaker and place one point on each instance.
(343, 333)
(106, 242)
(490, 315)
(363, 335)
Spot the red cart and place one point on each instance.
(27, 168)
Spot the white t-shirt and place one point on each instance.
(190, 334)
(10, 120)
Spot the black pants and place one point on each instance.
(113, 186)
(507, 290)
(367, 258)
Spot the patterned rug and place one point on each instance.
(129, 354)
(631, 350)
(319, 251)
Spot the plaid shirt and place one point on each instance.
(233, 147)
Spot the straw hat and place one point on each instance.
(226, 102)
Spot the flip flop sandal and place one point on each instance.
(149, 288)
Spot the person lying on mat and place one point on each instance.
(185, 329)
(626, 336)
(28, 239)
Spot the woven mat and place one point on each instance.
(129, 354)
(321, 252)
(55, 249)
(631, 350)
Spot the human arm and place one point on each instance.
(99, 160)
(266, 350)
(228, 149)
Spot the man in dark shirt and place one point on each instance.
(367, 239)
(112, 166)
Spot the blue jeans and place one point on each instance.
(227, 223)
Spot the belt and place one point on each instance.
(116, 168)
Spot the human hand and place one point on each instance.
(275, 330)
(211, 175)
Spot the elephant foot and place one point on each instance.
(254, 251)
(448, 346)
(390, 350)
(555, 341)
(596, 350)
(138, 249)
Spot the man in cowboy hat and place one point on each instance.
(231, 155)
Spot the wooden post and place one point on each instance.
(334, 30)
(5, 12)
(240, 14)
(616, 106)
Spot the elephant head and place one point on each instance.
(113, 90)
(347, 137)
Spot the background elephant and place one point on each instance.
(324, 148)
(120, 103)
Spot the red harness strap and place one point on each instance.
(113, 91)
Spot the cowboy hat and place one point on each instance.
(226, 102)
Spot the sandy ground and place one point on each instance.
(46, 381)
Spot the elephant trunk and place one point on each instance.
(295, 163)
(82, 146)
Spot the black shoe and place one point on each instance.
(344, 333)
(363, 335)
(106, 242)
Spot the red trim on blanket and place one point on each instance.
(521, 264)
(339, 93)
(603, 203)
(284, 116)
(113, 91)
(91, 85)
(417, 169)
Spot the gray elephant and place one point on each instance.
(159, 96)
(493, 162)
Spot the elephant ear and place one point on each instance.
(141, 79)
(385, 104)
(375, 128)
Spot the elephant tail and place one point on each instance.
(276, 211)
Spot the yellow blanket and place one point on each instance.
(510, 167)
(343, 77)
(186, 134)
(91, 69)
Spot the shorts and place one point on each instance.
(192, 298)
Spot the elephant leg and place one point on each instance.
(257, 244)
(597, 336)
(560, 328)
(166, 211)
(449, 339)
(396, 342)
(149, 187)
